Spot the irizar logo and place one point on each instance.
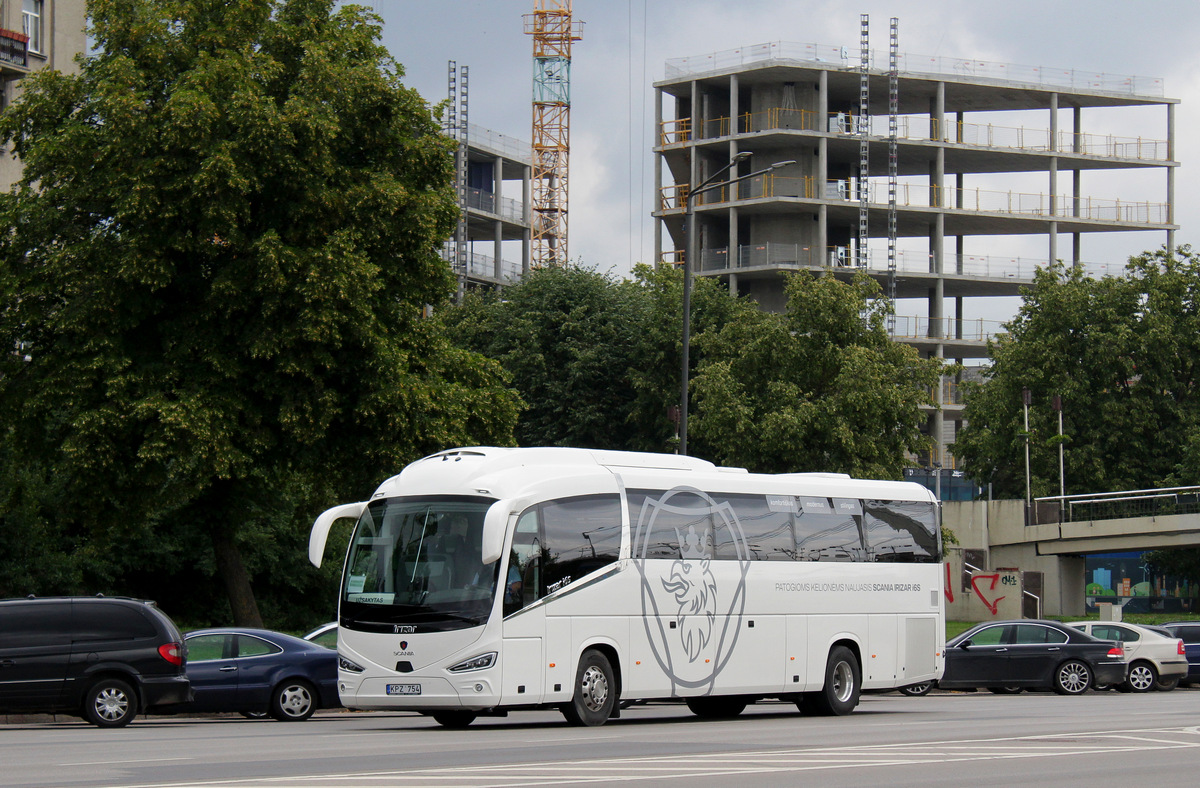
(681, 598)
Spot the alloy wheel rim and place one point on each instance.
(1074, 677)
(111, 704)
(595, 688)
(295, 701)
(1140, 677)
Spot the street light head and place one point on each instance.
(740, 157)
(779, 164)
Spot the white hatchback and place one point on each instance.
(1156, 660)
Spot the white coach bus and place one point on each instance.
(484, 580)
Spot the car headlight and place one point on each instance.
(475, 663)
(347, 665)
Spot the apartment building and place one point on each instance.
(35, 34)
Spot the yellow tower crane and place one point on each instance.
(553, 31)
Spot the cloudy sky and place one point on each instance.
(626, 43)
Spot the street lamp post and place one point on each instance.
(689, 250)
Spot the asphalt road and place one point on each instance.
(951, 739)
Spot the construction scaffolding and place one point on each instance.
(553, 32)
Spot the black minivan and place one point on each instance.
(102, 658)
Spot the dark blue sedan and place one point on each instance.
(258, 672)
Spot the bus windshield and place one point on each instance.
(419, 560)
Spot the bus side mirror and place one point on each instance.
(495, 527)
(320, 529)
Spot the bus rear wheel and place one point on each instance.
(843, 679)
(595, 691)
(717, 708)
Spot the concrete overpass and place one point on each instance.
(1045, 543)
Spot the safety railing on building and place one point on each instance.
(826, 55)
(509, 147)
(482, 266)
(914, 195)
(506, 207)
(907, 261)
(922, 128)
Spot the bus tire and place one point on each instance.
(843, 680)
(720, 707)
(595, 691)
(454, 719)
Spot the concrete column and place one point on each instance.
(937, 295)
(820, 254)
(497, 190)
(733, 104)
(656, 205)
(1077, 185)
(732, 258)
(527, 210)
(1053, 249)
(1170, 177)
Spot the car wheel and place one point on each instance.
(454, 719)
(717, 708)
(293, 701)
(254, 715)
(1141, 678)
(110, 703)
(1073, 677)
(595, 691)
(1005, 690)
(842, 685)
(1166, 685)
(917, 690)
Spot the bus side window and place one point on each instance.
(902, 531)
(522, 585)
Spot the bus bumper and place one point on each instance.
(436, 692)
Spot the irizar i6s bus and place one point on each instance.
(484, 580)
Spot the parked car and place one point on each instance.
(1008, 656)
(258, 673)
(1156, 661)
(1189, 633)
(102, 658)
(324, 635)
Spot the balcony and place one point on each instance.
(14, 52)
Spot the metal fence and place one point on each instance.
(1117, 505)
(844, 57)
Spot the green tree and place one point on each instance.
(1122, 353)
(819, 388)
(595, 358)
(565, 336)
(215, 269)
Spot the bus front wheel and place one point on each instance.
(595, 691)
(842, 685)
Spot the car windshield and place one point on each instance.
(419, 560)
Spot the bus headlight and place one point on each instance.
(347, 665)
(481, 662)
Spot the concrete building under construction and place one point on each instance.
(946, 180)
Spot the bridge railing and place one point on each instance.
(1115, 505)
